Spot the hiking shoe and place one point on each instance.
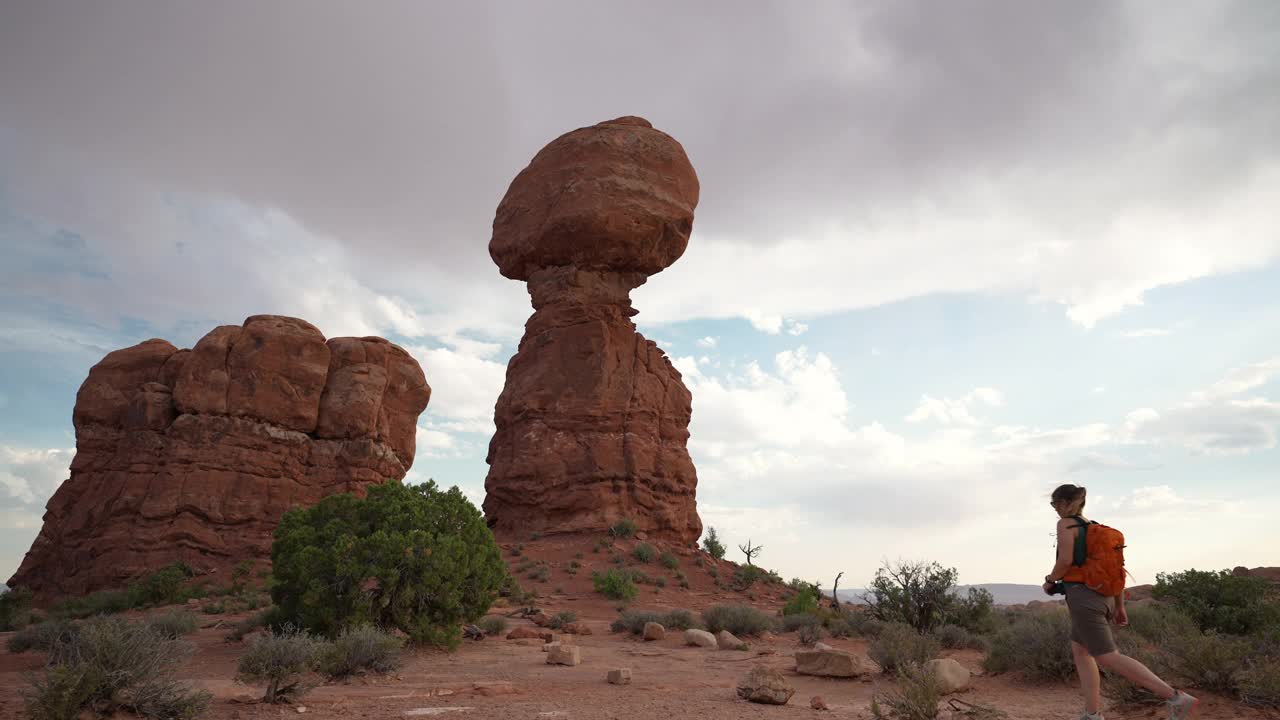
(1182, 706)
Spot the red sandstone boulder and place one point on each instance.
(592, 424)
(195, 455)
(617, 196)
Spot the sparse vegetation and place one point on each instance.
(669, 561)
(624, 528)
(281, 662)
(15, 609)
(161, 587)
(954, 637)
(916, 697)
(737, 619)
(493, 625)
(173, 623)
(899, 646)
(643, 552)
(562, 618)
(744, 576)
(362, 648)
(810, 634)
(793, 622)
(414, 558)
(751, 551)
(111, 665)
(1036, 644)
(614, 584)
(711, 543)
(1210, 661)
(42, 636)
(253, 622)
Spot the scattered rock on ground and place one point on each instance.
(951, 675)
(654, 631)
(621, 676)
(701, 638)
(564, 655)
(817, 703)
(829, 663)
(575, 628)
(528, 633)
(765, 685)
(726, 640)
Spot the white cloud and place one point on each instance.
(1147, 332)
(707, 342)
(464, 386)
(28, 478)
(795, 327)
(1217, 420)
(949, 411)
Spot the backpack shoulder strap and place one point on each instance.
(1080, 552)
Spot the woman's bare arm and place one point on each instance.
(1066, 544)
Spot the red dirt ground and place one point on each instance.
(498, 678)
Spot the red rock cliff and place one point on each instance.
(194, 455)
(592, 423)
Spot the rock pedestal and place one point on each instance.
(592, 424)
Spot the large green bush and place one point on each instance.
(615, 584)
(414, 558)
(15, 609)
(1220, 601)
(924, 596)
(805, 600)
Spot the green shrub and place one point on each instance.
(162, 587)
(360, 648)
(1259, 684)
(669, 561)
(281, 661)
(614, 584)
(633, 621)
(110, 666)
(711, 543)
(413, 558)
(43, 636)
(660, 581)
(744, 576)
(1219, 601)
(61, 692)
(173, 624)
(643, 552)
(1159, 622)
(541, 574)
(916, 697)
(738, 619)
(954, 637)
(103, 602)
(493, 625)
(804, 601)
(1037, 644)
(216, 607)
(791, 623)
(1209, 661)
(899, 645)
(15, 609)
(679, 620)
(639, 577)
(562, 618)
(838, 627)
(924, 597)
(624, 528)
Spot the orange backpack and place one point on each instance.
(1098, 560)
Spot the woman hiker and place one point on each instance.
(1092, 611)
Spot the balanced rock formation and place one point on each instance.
(194, 455)
(593, 421)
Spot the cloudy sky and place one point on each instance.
(947, 256)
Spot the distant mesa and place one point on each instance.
(592, 424)
(194, 455)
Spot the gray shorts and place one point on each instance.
(1091, 619)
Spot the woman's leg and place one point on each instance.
(1090, 679)
(1135, 672)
